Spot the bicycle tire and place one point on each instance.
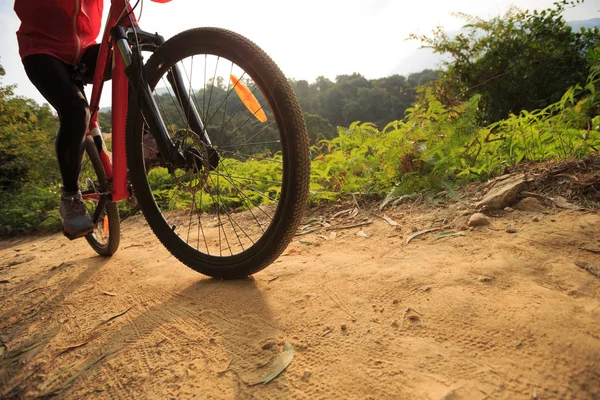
(289, 120)
(101, 243)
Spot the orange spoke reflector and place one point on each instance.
(248, 99)
(105, 226)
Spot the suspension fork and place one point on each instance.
(175, 78)
(191, 113)
(134, 72)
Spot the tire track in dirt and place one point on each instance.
(489, 315)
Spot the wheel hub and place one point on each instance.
(195, 174)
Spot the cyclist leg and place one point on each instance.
(53, 78)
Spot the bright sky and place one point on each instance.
(306, 38)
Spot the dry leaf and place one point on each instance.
(449, 234)
(419, 233)
(281, 362)
(390, 221)
(563, 203)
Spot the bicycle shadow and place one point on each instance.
(208, 336)
(31, 323)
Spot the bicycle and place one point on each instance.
(216, 156)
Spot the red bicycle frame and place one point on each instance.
(116, 169)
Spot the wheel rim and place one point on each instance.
(89, 184)
(222, 211)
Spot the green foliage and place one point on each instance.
(259, 176)
(318, 128)
(521, 61)
(354, 98)
(436, 145)
(28, 169)
(105, 121)
(27, 135)
(33, 208)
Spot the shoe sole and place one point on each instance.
(73, 236)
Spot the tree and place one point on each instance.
(318, 128)
(105, 121)
(27, 135)
(521, 61)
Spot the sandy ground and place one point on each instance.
(487, 315)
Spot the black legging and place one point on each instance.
(54, 79)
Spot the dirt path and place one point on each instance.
(483, 316)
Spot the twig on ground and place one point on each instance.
(589, 268)
(413, 310)
(355, 201)
(132, 245)
(337, 228)
(306, 232)
(408, 310)
(64, 350)
(419, 233)
(595, 251)
(337, 214)
(116, 315)
(340, 304)
(226, 368)
(327, 332)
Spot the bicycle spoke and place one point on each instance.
(241, 202)
(249, 188)
(232, 90)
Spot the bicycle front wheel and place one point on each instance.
(232, 210)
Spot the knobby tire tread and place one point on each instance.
(112, 210)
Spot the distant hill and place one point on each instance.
(587, 24)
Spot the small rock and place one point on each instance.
(478, 219)
(414, 318)
(306, 375)
(395, 324)
(414, 229)
(535, 219)
(511, 229)
(269, 344)
(486, 279)
(427, 289)
(344, 327)
(503, 191)
(212, 340)
(530, 204)
(396, 301)
(509, 209)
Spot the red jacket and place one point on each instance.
(61, 28)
